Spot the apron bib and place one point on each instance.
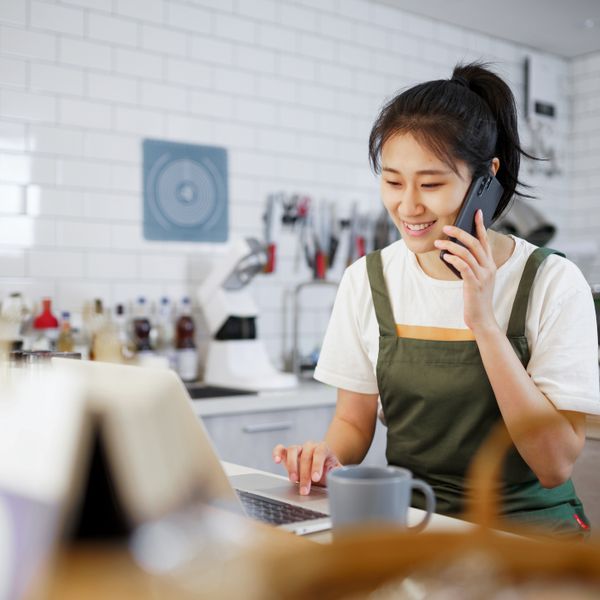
(439, 406)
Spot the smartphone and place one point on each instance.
(484, 193)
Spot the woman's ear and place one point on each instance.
(495, 165)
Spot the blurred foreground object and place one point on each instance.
(41, 415)
(122, 454)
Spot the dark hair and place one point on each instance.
(471, 117)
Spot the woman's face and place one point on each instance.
(420, 192)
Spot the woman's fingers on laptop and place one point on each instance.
(279, 453)
(293, 453)
(319, 460)
(307, 466)
(323, 459)
(289, 458)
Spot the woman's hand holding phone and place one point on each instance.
(474, 260)
(308, 464)
(484, 195)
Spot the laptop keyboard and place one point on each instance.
(275, 512)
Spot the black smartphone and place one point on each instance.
(484, 193)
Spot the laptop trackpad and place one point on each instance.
(275, 486)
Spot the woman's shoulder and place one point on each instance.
(557, 274)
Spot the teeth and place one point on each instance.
(418, 226)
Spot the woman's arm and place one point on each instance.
(550, 451)
(347, 440)
(353, 425)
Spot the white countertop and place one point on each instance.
(307, 393)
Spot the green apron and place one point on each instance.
(439, 407)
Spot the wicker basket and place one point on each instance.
(356, 564)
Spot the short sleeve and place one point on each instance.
(344, 362)
(564, 356)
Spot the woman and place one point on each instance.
(514, 339)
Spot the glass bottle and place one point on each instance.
(65, 341)
(107, 345)
(185, 343)
(96, 322)
(16, 315)
(165, 332)
(120, 322)
(141, 327)
(46, 327)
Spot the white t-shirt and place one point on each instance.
(560, 326)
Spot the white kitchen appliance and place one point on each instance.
(236, 358)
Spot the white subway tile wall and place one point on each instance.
(583, 205)
(290, 88)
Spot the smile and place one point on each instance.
(417, 229)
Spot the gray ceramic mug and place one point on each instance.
(361, 495)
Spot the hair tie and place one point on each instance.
(460, 80)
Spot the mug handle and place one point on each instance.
(429, 504)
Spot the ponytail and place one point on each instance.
(499, 98)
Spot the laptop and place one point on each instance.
(160, 453)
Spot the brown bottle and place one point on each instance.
(141, 327)
(185, 344)
(185, 327)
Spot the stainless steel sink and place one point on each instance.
(199, 391)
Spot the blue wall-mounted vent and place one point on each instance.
(186, 194)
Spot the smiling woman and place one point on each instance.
(512, 340)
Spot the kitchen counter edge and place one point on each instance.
(305, 395)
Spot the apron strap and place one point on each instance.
(518, 315)
(381, 299)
